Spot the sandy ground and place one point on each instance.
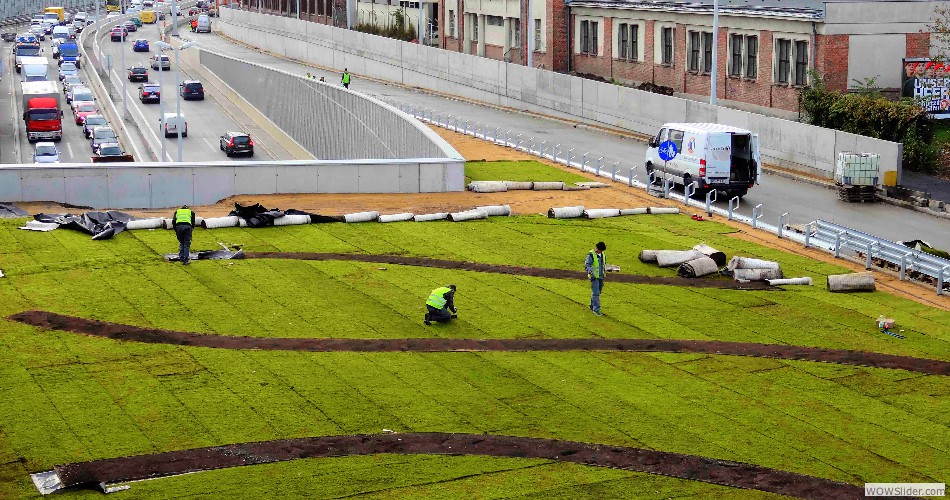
(521, 202)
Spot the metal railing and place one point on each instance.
(818, 234)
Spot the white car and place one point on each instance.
(45, 152)
(68, 69)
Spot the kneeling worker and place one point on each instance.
(440, 302)
(184, 221)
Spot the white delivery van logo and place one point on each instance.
(691, 145)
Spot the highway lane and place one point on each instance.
(74, 147)
(804, 202)
(207, 119)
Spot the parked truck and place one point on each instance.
(41, 111)
(34, 69)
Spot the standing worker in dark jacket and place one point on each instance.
(346, 78)
(595, 265)
(440, 302)
(184, 221)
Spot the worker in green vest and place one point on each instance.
(184, 221)
(595, 265)
(439, 303)
(346, 78)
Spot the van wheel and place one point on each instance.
(649, 167)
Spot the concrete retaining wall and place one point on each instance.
(159, 185)
(330, 122)
(787, 144)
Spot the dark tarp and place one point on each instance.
(101, 225)
(225, 254)
(8, 211)
(258, 216)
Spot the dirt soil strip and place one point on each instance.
(516, 270)
(53, 321)
(738, 475)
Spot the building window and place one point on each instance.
(537, 35)
(666, 42)
(474, 27)
(409, 5)
(707, 52)
(589, 37)
(735, 58)
(627, 47)
(452, 23)
(694, 48)
(495, 21)
(801, 63)
(783, 49)
(752, 56)
(516, 36)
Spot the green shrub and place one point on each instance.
(866, 112)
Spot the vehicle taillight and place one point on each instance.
(231, 143)
(250, 142)
(702, 168)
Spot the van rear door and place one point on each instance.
(718, 157)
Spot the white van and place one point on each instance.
(715, 157)
(173, 124)
(204, 24)
(61, 33)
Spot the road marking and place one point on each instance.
(208, 143)
(69, 147)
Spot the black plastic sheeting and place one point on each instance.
(209, 255)
(9, 211)
(101, 225)
(259, 216)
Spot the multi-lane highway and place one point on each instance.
(14, 146)
(207, 120)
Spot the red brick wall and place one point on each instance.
(494, 52)
(832, 60)
(918, 45)
(557, 46)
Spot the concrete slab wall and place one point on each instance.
(787, 144)
(160, 185)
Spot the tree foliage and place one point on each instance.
(867, 112)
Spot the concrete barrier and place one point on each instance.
(791, 145)
(330, 122)
(159, 185)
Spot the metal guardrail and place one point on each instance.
(838, 238)
(819, 234)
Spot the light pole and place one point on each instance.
(125, 95)
(168, 46)
(715, 54)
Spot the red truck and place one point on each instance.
(41, 112)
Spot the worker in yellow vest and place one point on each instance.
(439, 303)
(346, 78)
(184, 221)
(596, 266)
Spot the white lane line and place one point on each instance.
(208, 143)
(69, 147)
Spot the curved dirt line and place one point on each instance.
(116, 331)
(539, 272)
(692, 467)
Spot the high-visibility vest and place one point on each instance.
(596, 264)
(346, 78)
(183, 216)
(437, 297)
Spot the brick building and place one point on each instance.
(767, 49)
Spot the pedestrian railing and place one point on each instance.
(836, 239)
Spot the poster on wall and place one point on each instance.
(927, 82)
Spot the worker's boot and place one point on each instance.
(455, 316)
(427, 322)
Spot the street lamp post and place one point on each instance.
(715, 54)
(125, 95)
(168, 46)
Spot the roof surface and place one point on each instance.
(706, 127)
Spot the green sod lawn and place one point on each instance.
(525, 171)
(68, 397)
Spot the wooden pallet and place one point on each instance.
(857, 194)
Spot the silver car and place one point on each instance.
(162, 61)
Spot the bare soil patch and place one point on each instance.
(514, 270)
(692, 467)
(53, 321)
